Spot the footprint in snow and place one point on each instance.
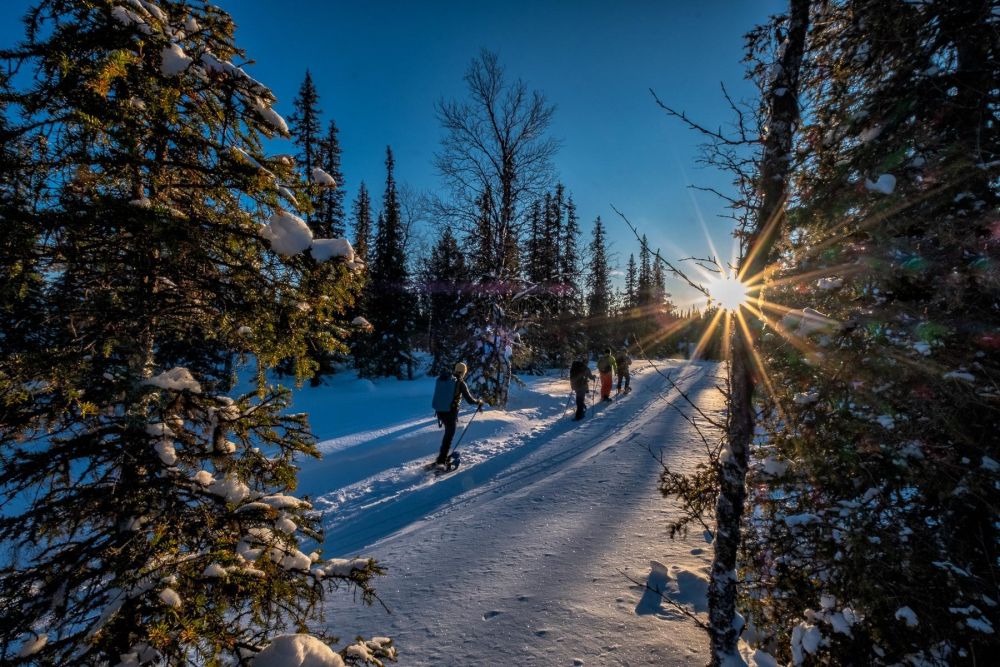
(490, 614)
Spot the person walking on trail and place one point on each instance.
(448, 393)
(606, 365)
(579, 379)
(623, 361)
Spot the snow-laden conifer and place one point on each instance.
(147, 516)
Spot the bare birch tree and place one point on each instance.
(495, 158)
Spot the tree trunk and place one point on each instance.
(775, 168)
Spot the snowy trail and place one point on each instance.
(515, 557)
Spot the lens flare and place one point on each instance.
(728, 292)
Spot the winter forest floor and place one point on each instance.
(523, 555)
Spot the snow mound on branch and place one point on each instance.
(808, 321)
(908, 616)
(361, 322)
(805, 639)
(170, 598)
(272, 117)
(324, 249)
(34, 646)
(297, 651)
(289, 235)
(320, 177)
(173, 60)
(342, 567)
(230, 488)
(203, 477)
(165, 450)
(829, 283)
(885, 184)
(283, 502)
(176, 379)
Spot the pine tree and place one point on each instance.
(158, 523)
(599, 288)
(388, 301)
(305, 127)
(631, 284)
(571, 307)
(446, 284)
(645, 286)
(362, 223)
(329, 216)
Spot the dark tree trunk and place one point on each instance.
(783, 114)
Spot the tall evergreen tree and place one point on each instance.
(599, 287)
(645, 286)
(631, 283)
(446, 284)
(571, 303)
(329, 205)
(158, 529)
(389, 303)
(362, 223)
(306, 127)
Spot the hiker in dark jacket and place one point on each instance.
(623, 361)
(449, 419)
(579, 379)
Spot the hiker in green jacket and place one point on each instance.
(623, 361)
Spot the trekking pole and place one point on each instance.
(469, 423)
(569, 402)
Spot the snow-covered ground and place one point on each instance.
(523, 555)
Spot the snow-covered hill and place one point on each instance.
(523, 555)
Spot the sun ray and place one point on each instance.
(766, 231)
(759, 365)
(706, 335)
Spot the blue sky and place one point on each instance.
(381, 65)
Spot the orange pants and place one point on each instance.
(605, 385)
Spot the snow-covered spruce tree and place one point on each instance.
(446, 290)
(877, 541)
(320, 187)
(496, 160)
(146, 512)
(389, 305)
(598, 289)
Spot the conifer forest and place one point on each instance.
(712, 373)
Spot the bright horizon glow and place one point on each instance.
(728, 292)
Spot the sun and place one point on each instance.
(728, 292)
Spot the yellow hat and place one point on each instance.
(461, 369)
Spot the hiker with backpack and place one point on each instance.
(448, 393)
(623, 361)
(607, 366)
(579, 379)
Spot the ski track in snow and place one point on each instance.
(523, 554)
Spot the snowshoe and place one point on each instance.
(454, 461)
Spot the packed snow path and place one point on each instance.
(521, 555)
